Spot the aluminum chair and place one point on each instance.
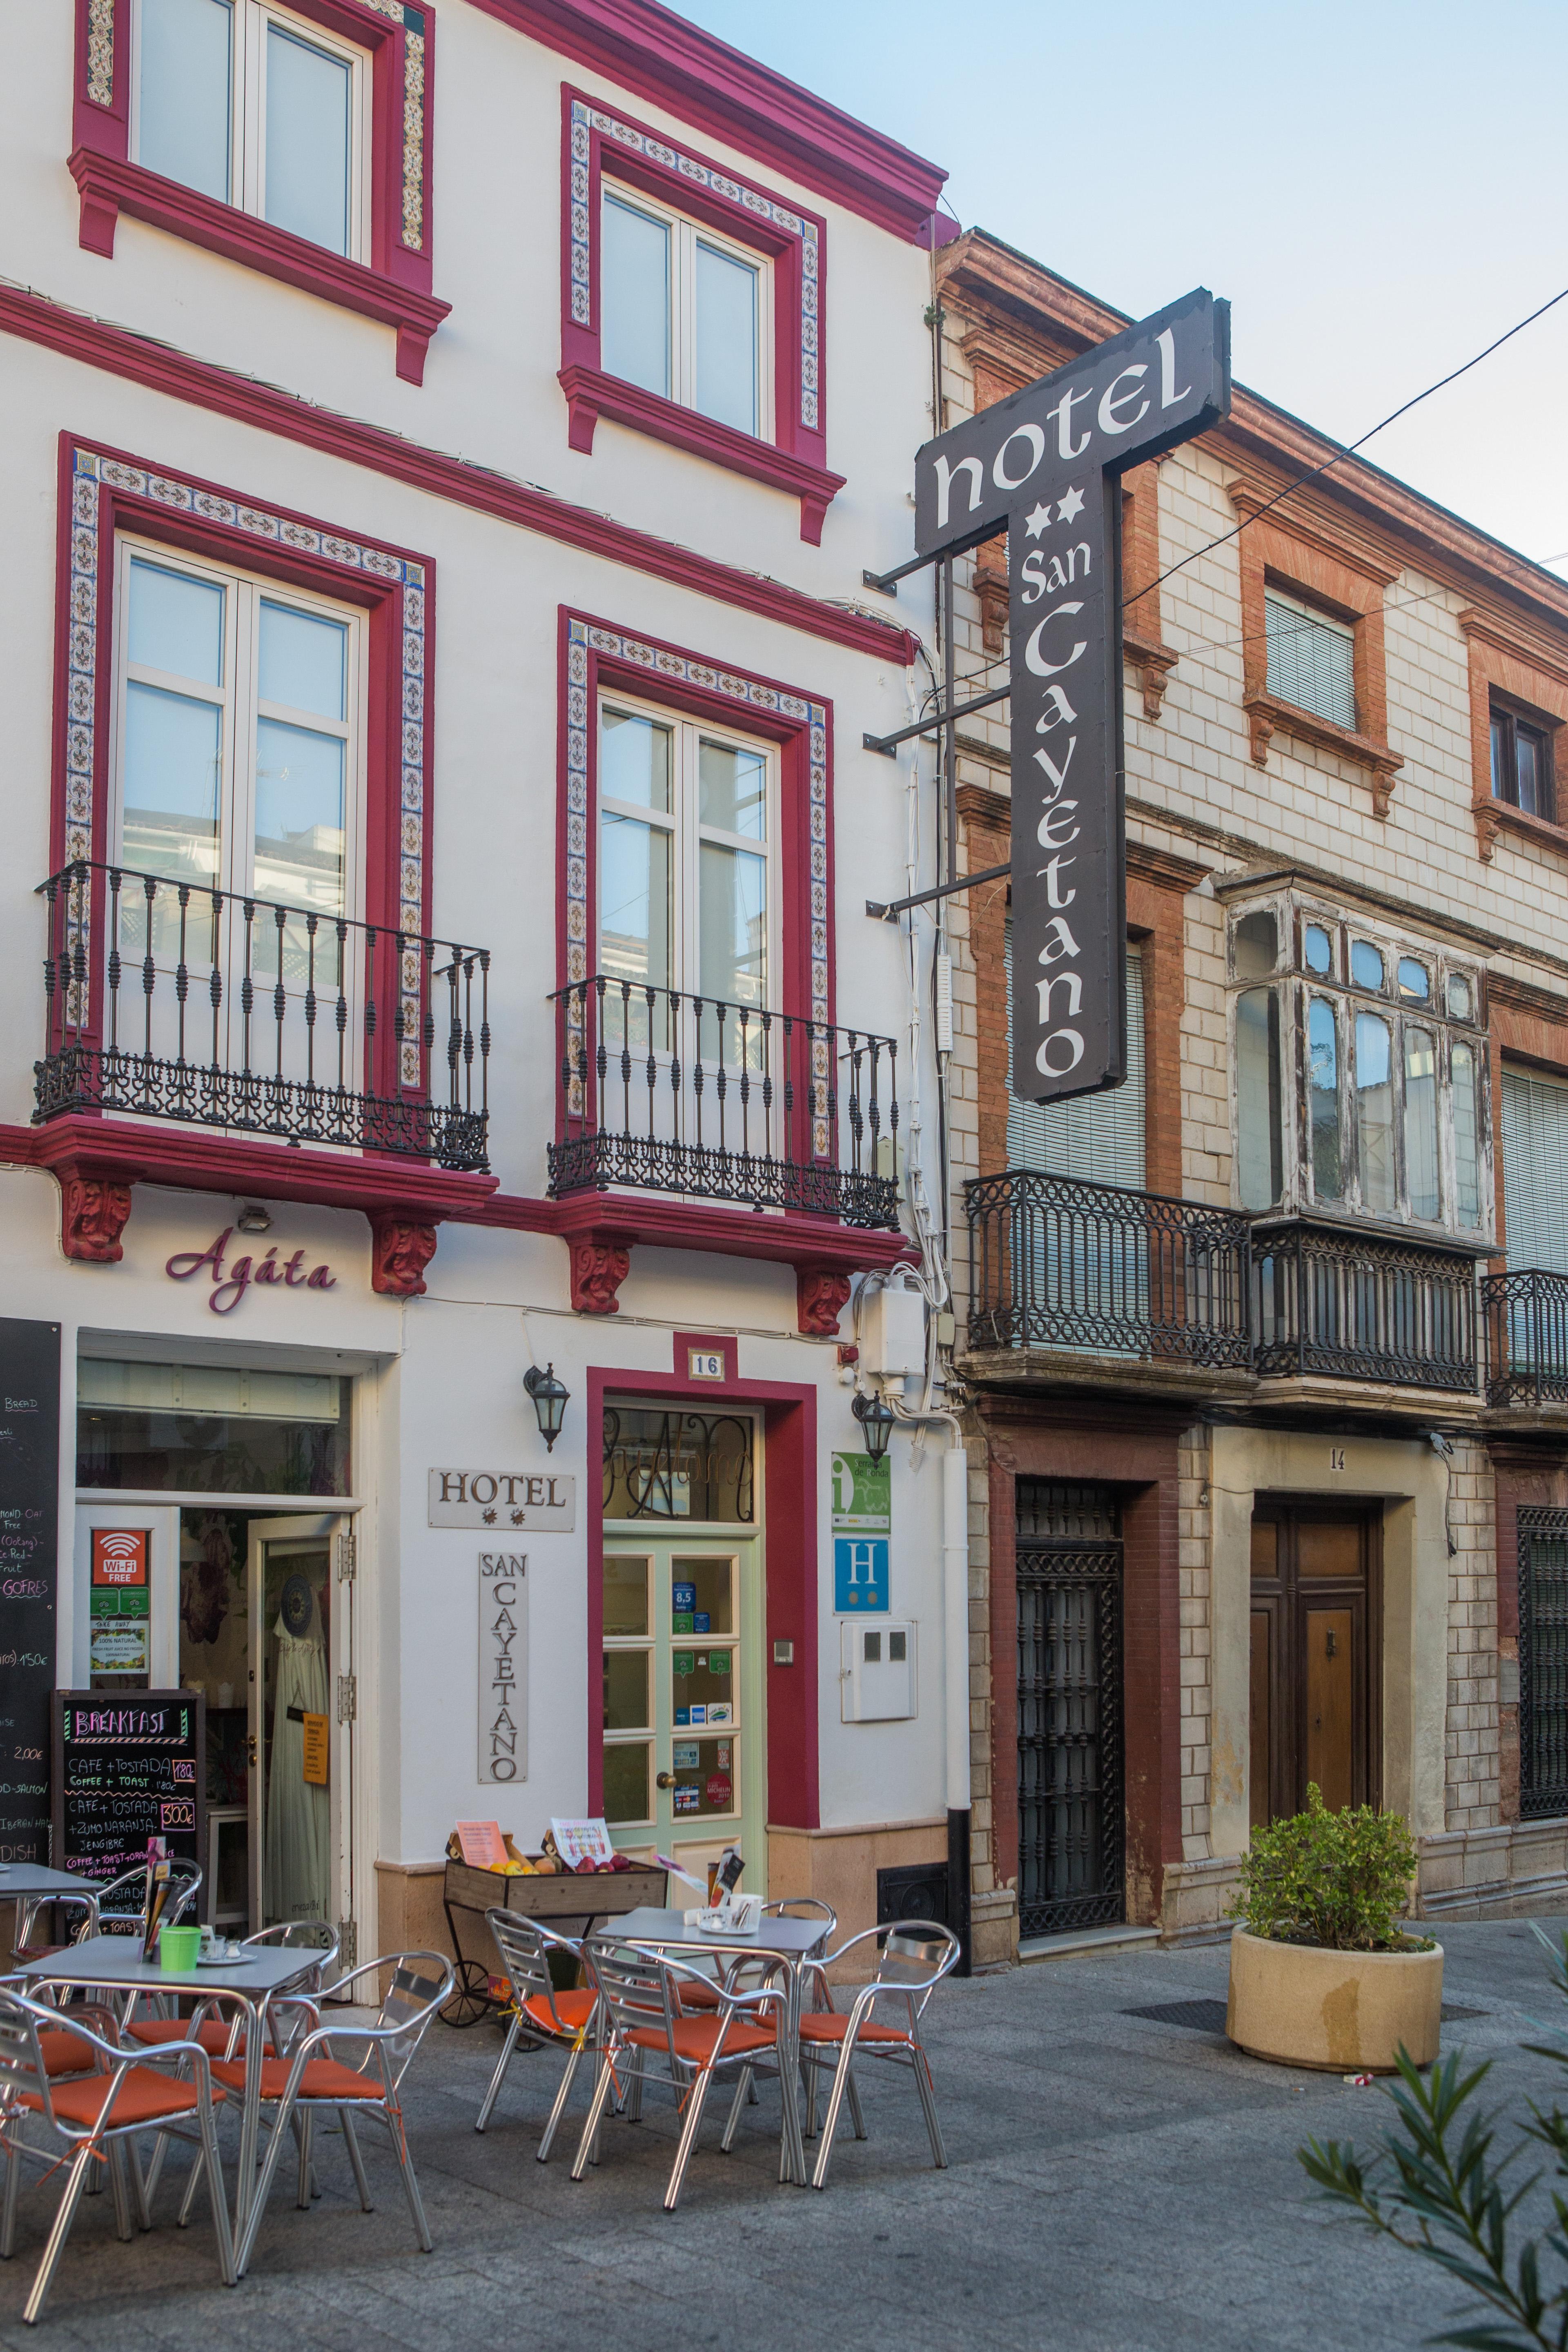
(643, 1996)
(310, 2078)
(98, 2115)
(563, 2018)
(23, 1943)
(914, 1957)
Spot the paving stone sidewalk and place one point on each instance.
(1117, 2183)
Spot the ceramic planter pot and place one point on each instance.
(1345, 2012)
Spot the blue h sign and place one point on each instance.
(860, 1574)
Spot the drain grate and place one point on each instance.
(1200, 2016)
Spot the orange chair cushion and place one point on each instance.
(694, 2038)
(574, 2009)
(697, 1996)
(825, 2025)
(64, 2052)
(145, 2097)
(151, 2032)
(323, 2078)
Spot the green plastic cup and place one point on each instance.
(178, 1948)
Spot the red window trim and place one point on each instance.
(792, 1601)
(795, 460)
(188, 512)
(394, 287)
(596, 654)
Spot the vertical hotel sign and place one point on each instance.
(1043, 465)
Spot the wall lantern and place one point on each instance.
(877, 1420)
(551, 1398)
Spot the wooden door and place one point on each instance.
(1315, 1668)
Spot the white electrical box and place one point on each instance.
(876, 1677)
(893, 1328)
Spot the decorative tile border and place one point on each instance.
(584, 638)
(169, 495)
(100, 52)
(586, 120)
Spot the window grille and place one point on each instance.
(1542, 1662)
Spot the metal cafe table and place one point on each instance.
(788, 1941)
(253, 1977)
(28, 1884)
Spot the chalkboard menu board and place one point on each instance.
(29, 1560)
(129, 1766)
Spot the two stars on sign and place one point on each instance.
(1067, 509)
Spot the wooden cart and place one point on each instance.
(569, 1901)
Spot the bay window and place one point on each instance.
(257, 108)
(686, 312)
(1359, 1072)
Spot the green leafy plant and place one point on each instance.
(1341, 1879)
(1433, 2186)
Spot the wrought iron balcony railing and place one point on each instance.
(1328, 1299)
(667, 1092)
(173, 1001)
(1527, 1337)
(1058, 1263)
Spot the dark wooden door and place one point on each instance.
(1314, 1657)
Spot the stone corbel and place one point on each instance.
(93, 1214)
(1154, 663)
(600, 1263)
(400, 1250)
(1488, 828)
(821, 1294)
(1261, 729)
(991, 591)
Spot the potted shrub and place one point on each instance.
(1321, 1972)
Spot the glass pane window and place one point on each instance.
(1312, 658)
(1323, 1090)
(1521, 763)
(1374, 1113)
(1467, 1134)
(1420, 1122)
(1414, 980)
(1366, 965)
(683, 312)
(249, 104)
(1318, 949)
(1461, 997)
(1257, 944)
(1259, 1142)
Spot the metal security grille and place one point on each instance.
(1069, 1566)
(1543, 1661)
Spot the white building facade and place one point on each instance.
(444, 443)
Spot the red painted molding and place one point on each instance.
(590, 394)
(109, 188)
(789, 1415)
(137, 359)
(400, 1250)
(650, 49)
(671, 1223)
(190, 1159)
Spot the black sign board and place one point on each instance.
(1044, 463)
(30, 1569)
(129, 1766)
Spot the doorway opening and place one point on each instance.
(1071, 1830)
(1316, 1646)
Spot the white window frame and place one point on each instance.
(686, 235)
(248, 113)
(238, 698)
(683, 823)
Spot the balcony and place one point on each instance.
(663, 1092)
(1092, 1270)
(177, 1003)
(1526, 1339)
(1133, 1287)
(1354, 1307)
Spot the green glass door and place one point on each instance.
(684, 1758)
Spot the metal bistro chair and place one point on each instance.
(643, 1994)
(915, 1955)
(547, 2014)
(98, 2115)
(311, 2078)
(24, 1940)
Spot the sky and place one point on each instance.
(1378, 188)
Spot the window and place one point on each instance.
(688, 817)
(1098, 1137)
(1312, 658)
(1357, 1106)
(685, 311)
(258, 109)
(1521, 763)
(1535, 1171)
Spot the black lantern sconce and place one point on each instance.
(551, 1398)
(877, 1420)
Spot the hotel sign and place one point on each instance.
(1044, 466)
(538, 1499)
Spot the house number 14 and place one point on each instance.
(1336, 1457)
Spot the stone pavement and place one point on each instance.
(1117, 2183)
